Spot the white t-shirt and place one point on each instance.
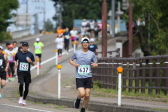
(15, 49)
(11, 55)
(92, 25)
(60, 43)
(73, 33)
(84, 23)
(83, 31)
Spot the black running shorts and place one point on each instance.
(24, 78)
(3, 75)
(84, 82)
(39, 55)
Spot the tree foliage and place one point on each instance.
(48, 25)
(6, 6)
(155, 15)
(80, 9)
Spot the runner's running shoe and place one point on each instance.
(20, 100)
(77, 103)
(0, 96)
(82, 110)
(24, 102)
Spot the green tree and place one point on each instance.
(48, 25)
(6, 6)
(157, 25)
(80, 9)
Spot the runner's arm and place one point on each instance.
(73, 63)
(7, 62)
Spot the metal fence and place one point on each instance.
(141, 75)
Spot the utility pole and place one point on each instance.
(113, 17)
(104, 29)
(130, 29)
(44, 16)
(26, 13)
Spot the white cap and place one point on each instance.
(85, 38)
(1, 47)
(37, 39)
(92, 40)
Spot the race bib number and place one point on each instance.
(10, 58)
(37, 47)
(24, 66)
(1, 62)
(84, 69)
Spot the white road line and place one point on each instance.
(25, 108)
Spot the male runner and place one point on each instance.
(15, 48)
(3, 69)
(25, 59)
(93, 47)
(38, 46)
(66, 40)
(84, 59)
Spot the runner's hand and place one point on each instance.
(76, 65)
(6, 69)
(29, 60)
(94, 64)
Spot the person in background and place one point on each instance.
(15, 48)
(92, 24)
(7, 47)
(60, 45)
(38, 46)
(3, 69)
(93, 47)
(66, 35)
(20, 47)
(83, 31)
(84, 22)
(11, 58)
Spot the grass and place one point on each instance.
(161, 109)
(99, 91)
(59, 107)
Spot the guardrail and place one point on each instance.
(20, 33)
(141, 75)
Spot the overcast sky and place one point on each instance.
(36, 6)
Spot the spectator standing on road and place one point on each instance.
(38, 46)
(3, 69)
(25, 59)
(60, 45)
(84, 59)
(66, 40)
(93, 47)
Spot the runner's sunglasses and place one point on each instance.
(85, 41)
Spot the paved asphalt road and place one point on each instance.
(10, 93)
